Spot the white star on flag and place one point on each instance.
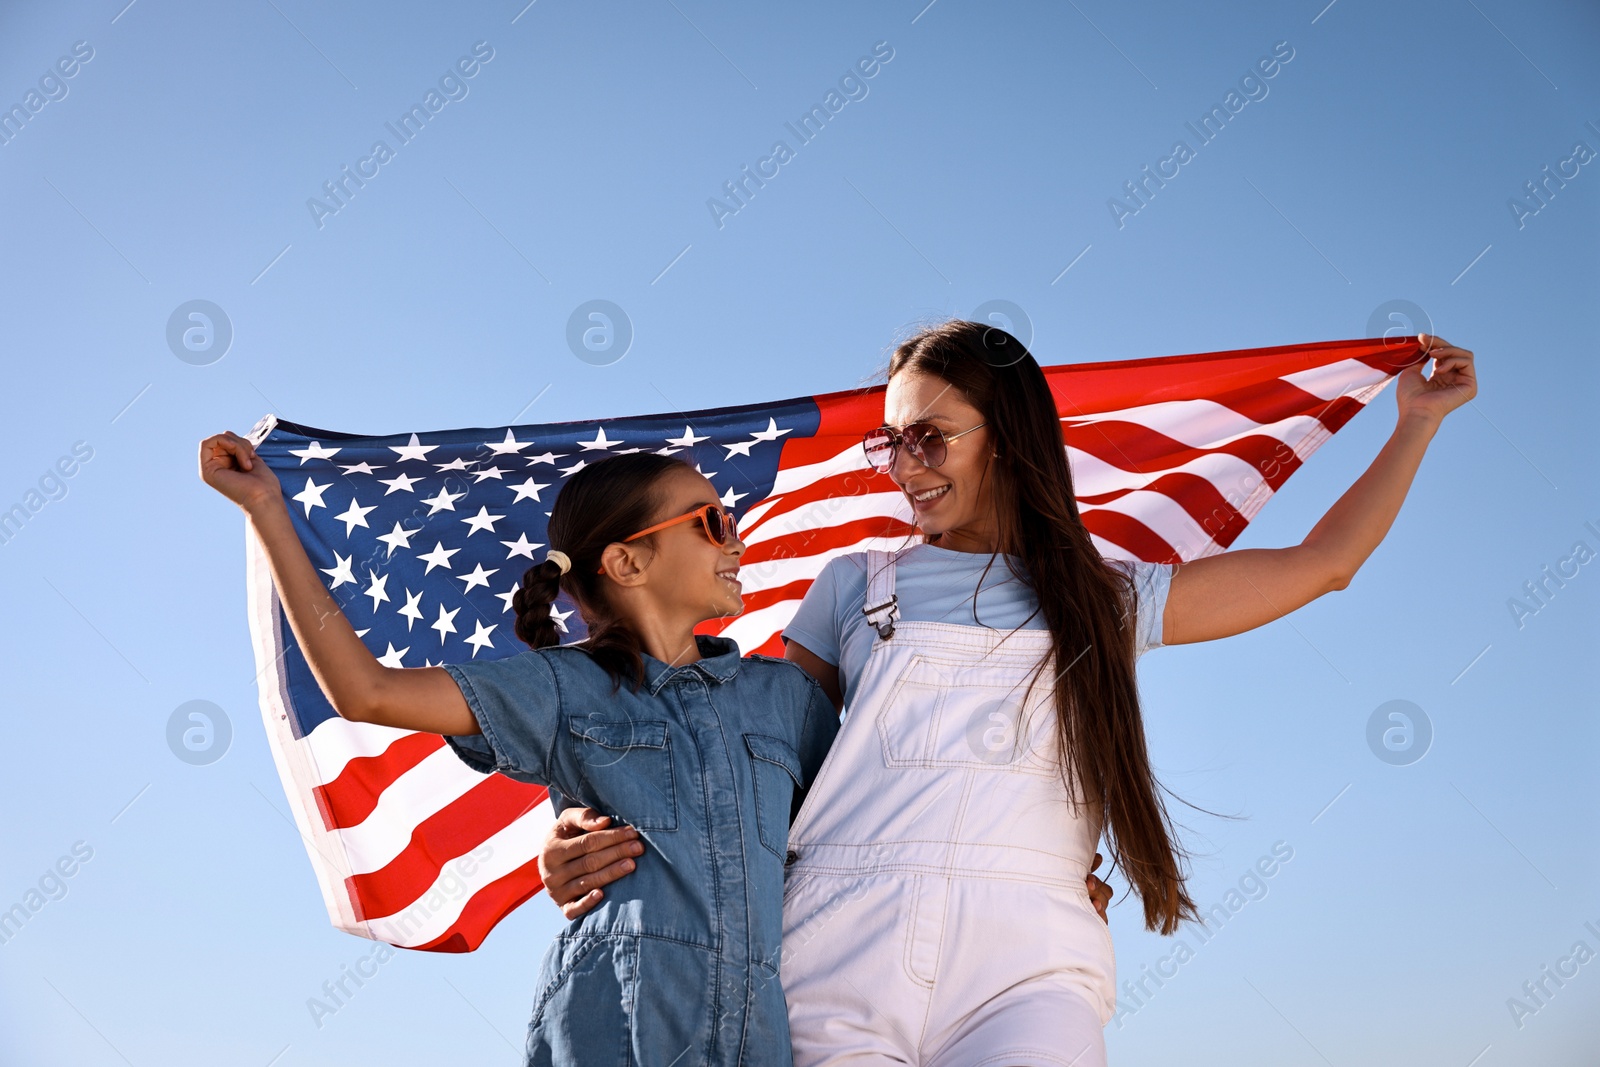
(443, 623)
(311, 495)
(601, 441)
(393, 658)
(341, 571)
(354, 515)
(479, 576)
(521, 547)
(412, 609)
(480, 636)
(688, 440)
(771, 433)
(375, 590)
(314, 451)
(403, 483)
(439, 557)
(444, 501)
(481, 521)
(399, 537)
(415, 450)
(529, 488)
(510, 446)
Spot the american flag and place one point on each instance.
(424, 537)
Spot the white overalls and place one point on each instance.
(935, 910)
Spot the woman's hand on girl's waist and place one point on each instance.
(580, 856)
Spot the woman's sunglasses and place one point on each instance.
(719, 526)
(923, 439)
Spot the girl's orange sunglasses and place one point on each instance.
(719, 526)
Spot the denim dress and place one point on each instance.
(708, 760)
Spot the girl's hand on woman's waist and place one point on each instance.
(1099, 892)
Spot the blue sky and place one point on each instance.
(1377, 164)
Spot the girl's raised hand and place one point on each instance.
(1099, 892)
(1454, 381)
(229, 464)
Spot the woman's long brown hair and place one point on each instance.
(1087, 604)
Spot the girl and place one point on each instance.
(933, 911)
(704, 754)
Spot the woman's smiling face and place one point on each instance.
(961, 507)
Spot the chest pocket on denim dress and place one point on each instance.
(775, 766)
(628, 763)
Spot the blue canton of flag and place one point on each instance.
(423, 538)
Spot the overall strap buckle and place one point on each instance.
(883, 606)
(883, 616)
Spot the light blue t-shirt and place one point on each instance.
(942, 585)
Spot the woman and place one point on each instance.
(934, 910)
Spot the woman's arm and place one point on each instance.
(579, 857)
(826, 674)
(356, 684)
(1232, 592)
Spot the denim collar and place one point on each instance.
(719, 662)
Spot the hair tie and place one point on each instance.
(560, 558)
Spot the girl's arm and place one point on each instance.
(356, 684)
(1232, 592)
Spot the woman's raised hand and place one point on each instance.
(580, 855)
(229, 464)
(1454, 381)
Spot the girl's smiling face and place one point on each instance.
(954, 500)
(689, 572)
